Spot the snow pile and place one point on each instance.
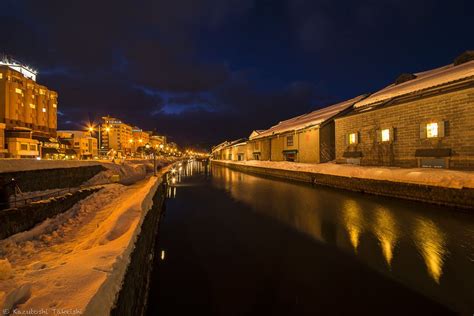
(76, 260)
(5, 269)
(424, 176)
(128, 172)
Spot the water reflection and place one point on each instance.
(386, 230)
(353, 221)
(431, 242)
(398, 238)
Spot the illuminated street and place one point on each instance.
(236, 157)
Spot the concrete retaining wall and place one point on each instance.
(44, 179)
(460, 198)
(133, 295)
(16, 220)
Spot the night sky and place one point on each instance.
(203, 71)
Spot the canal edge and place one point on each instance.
(461, 199)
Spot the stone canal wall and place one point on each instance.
(460, 198)
(20, 219)
(133, 295)
(44, 179)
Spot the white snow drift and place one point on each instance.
(76, 261)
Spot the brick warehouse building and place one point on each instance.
(421, 120)
(307, 138)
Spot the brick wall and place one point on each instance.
(259, 145)
(308, 146)
(455, 108)
(277, 147)
(327, 142)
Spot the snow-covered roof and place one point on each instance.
(220, 146)
(240, 141)
(314, 118)
(424, 80)
(256, 132)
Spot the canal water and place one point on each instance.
(232, 243)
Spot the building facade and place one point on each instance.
(24, 105)
(157, 141)
(307, 138)
(3, 150)
(115, 136)
(422, 120)
(258, 148)
(84, 145)
(20, 144)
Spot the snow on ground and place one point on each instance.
(76, 261)
(435, 177)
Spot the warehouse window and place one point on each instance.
(385, 135)
(23, 146)
(33, 147)
(289, 141)
(432, 130)
(352, 137)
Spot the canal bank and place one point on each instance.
(100, 248)
(453, 194)
(234, 243)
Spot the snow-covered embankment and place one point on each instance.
(76, 261)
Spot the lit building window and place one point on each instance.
(32, 106)
(352, 138)
(18, 91)
(432, 130)
(55, 105)
(1, 76)
(385, 135)
(44, 110)
(289, 141)
(42, 92)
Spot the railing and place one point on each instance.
(16, 202)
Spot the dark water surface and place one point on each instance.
(237, 244)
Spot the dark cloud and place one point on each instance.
(208, 70)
